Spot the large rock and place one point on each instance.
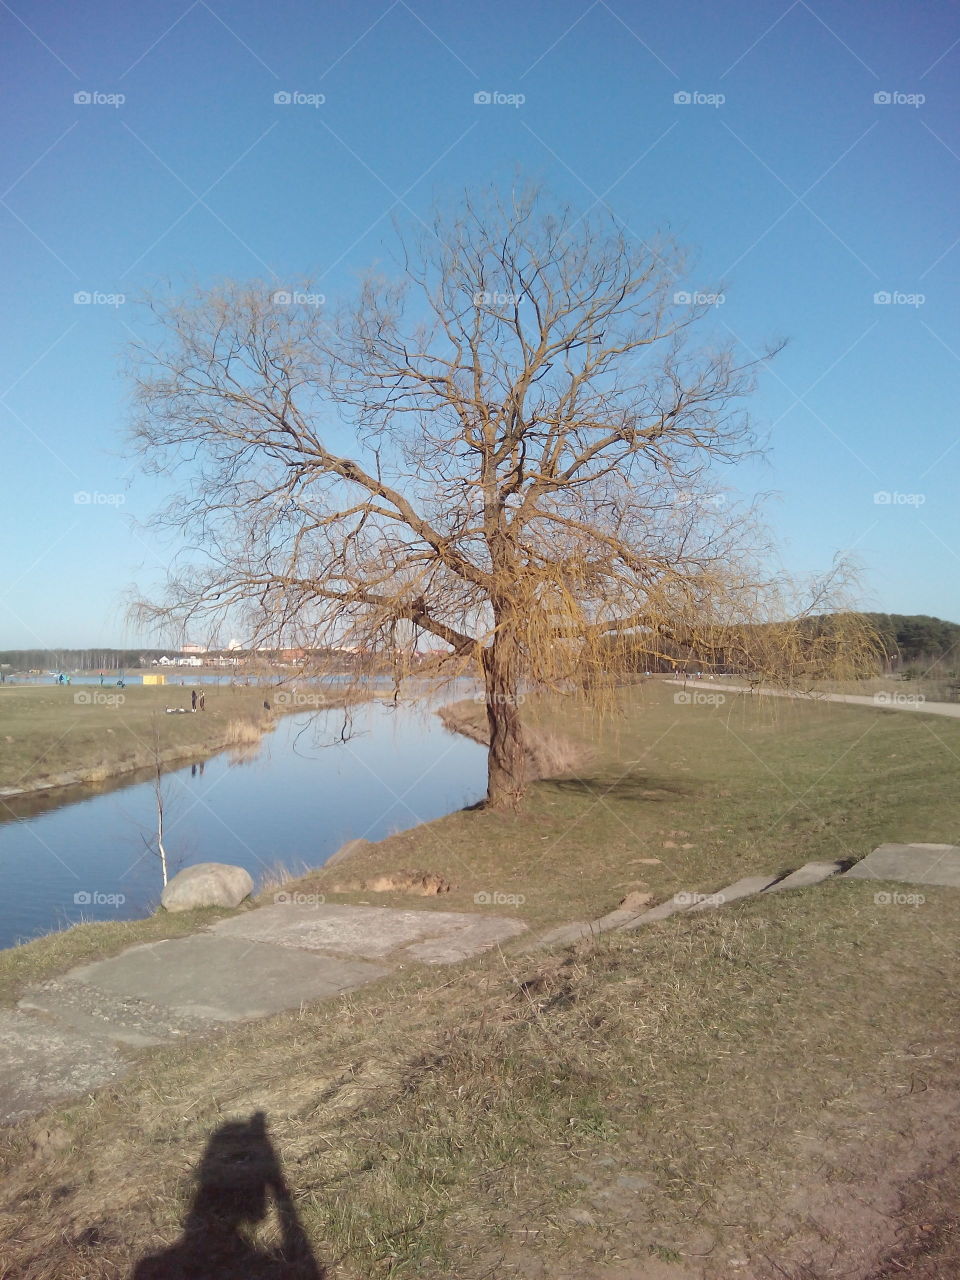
(208, 884)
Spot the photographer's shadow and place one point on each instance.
(238, 1176)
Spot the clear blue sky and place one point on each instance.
(801, 192)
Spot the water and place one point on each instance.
(301, 797)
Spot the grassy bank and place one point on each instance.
(63, 735)
(673, 795)
(751, 1092)
(708, 1098)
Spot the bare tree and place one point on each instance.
(512, 449)
(156, 846)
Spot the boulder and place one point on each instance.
(208, 884)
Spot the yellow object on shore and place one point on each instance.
(154, 679)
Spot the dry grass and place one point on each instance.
(651, 1096)
(552, 755)
(277, 876)
(672, 796)
(548, 753)
(51, 739)
(244, 733)
(697, 1092)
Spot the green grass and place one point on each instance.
(712, 793)
(48, 732)
(647, 1096)
(677, 1097)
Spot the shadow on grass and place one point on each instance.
(632, 788)
(238, 1177)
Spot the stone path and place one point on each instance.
(73, 1034)
(912, 863)
(934, 864)
(809, 874)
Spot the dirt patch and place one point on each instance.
(422, 884)
(879, 1197)
(929, 1233)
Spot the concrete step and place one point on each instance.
(745, 888)
(569, 933)
(679, 902)
(911, 863)
(809, 873)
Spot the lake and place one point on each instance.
(296, 801)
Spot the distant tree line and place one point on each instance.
(917, 638)
(898, 642)
(75, 659)
(901, 640)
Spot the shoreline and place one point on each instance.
(99, 775)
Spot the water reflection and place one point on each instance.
(301, 794)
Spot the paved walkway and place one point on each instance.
(880, 702)
(73, 1034)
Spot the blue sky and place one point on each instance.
(800, 192)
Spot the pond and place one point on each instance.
(294, 802)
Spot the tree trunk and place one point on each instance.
(505, 758)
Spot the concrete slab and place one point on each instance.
(679, 902)
(744, 888)
(104, 1015)
(809, 873)
(222, 979)
(41, 1064)
(569, 933)
(912, 863)
(373, 933)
